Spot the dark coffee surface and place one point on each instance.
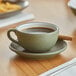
(38, 30)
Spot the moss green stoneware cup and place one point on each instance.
(37, 42)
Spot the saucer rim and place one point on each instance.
(44, 53)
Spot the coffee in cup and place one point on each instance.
(38, 30)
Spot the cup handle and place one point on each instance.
(9, 35)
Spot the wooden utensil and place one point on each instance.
(62, 37)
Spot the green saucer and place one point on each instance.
(59, 47)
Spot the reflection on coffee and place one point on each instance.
(38, 30)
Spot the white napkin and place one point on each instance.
(15, 19)
(72, 3)
(66, 69)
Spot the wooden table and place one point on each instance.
(53, 11)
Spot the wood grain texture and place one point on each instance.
(53, 11)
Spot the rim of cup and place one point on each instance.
(44, 24)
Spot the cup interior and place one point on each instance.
(37, 24)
